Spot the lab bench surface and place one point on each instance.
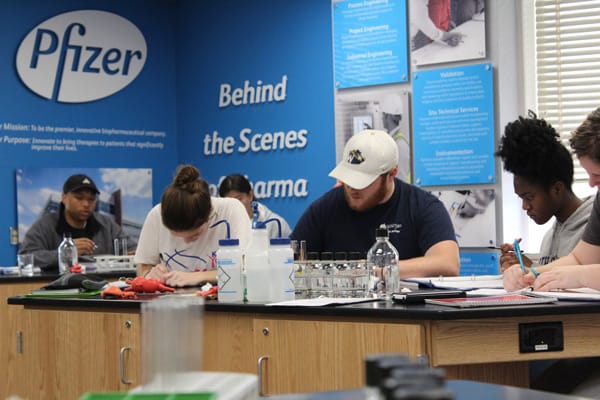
(310, 349)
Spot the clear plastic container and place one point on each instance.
(281, 261)
(256, 264)
(67, 254)
(229, 271)
(382, 261)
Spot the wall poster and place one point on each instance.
(370, 42)
(453, 126)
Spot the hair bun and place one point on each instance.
(186, 175)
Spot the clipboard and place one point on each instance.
(513, 299)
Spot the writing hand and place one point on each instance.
(180, 279)
(159, 271)
(514, 279)
(508, 258)
(563, 277)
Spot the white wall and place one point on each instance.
(505, 50)
(512, 33)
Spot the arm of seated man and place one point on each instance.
(440, 259)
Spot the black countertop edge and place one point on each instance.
(50, 276)
(372, 310)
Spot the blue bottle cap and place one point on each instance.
(281, 240)
(229, 242)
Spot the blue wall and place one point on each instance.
(193, 48)
(146, 104)
(259, 43)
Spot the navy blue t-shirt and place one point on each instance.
(328, 224)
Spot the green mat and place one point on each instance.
(63, 293)
(148, 396)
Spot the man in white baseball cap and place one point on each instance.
(345, 218)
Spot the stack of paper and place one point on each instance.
(460, 282)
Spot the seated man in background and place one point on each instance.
(238, 187)
(345, 218)
(93, 233)
(542, 169)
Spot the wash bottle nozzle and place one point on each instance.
(227, 240)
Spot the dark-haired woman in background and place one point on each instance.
(542, 169)
(177, 244)
(238, 187)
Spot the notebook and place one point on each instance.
(460, 282)
(491, 301)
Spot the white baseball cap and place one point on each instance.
(367, 155)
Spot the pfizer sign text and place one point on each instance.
(81, 56)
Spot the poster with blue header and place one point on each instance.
(453, 126)
(479, 263)
(370, 42)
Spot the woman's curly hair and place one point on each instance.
(531, 148)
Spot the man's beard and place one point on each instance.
(367, 203)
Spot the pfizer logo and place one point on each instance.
(81, 56)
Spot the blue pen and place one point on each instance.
(518, 251)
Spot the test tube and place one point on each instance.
(302, 254)
(116, 247)
(124, 246)
(295, 249)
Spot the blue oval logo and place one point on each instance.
(81, 56)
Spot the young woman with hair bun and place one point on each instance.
(177, 244)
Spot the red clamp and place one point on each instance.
(115, 291)
(147, 285)
(76, 269)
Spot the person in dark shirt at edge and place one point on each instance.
(345, 218)
(93, 233)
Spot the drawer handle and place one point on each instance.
(19, 342)
(260, 375)
(122, 365)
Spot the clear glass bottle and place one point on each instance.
(382, 261)
(67, 254)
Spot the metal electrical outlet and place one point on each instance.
(540, 336)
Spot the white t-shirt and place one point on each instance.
(264, 213)
(156, 240)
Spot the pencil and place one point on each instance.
(498, 248)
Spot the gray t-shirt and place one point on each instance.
(591, 234)
(562, 238)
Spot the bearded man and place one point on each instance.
(345, 217)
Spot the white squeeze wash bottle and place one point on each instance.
(256, 263)
(281, 260)
(229, 268)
